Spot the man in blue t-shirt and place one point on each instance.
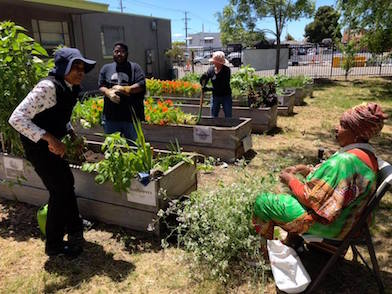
(123, 84)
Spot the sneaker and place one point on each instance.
(65, 249)
(55, 250)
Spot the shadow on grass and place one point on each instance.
(18, 220)
(345, 277)
(94, 261)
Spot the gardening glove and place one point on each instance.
(122, 89)
(111, 94)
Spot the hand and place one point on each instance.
(302, 169)
(285, 177)
(290, 169)
(122, 89)
(111, 94)
(54, 145)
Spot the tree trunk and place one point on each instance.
(277, 60)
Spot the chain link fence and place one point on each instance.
(305, 59)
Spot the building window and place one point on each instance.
(208, 41)
(51, 34)
(109, 36)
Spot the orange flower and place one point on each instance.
(161, 122)
(164, 109)
(148, 118)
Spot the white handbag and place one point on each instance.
(289, 273)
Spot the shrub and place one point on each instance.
(215, 228)
(21, 68)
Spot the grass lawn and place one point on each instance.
(119, 261)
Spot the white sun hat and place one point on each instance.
(219, 57)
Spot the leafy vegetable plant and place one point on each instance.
(21, 67)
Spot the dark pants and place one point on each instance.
(126, 128)
(225, 101)
(63, 213)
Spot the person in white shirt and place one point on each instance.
(43, 119)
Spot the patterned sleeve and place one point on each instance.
(42, 97)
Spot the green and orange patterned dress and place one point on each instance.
(334, 197)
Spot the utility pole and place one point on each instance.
(186, 28)
(121, 6)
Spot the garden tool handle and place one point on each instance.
(200, 106)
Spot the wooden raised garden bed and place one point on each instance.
(301, 93)
(135, 209)
(227, 139)
(263, 119)
(286, 103)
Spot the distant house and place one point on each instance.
(89, 27)
(204, 41)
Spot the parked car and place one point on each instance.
(234, 58)
(202, 59)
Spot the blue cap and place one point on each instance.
(63, 59)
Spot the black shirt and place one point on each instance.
(125, 74)
(220, 81)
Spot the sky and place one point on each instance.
(201, 13)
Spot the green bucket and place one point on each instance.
(41, 218)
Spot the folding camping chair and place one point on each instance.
(361, 228)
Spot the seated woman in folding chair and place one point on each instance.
(335, 192)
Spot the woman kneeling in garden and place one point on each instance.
(335, 192)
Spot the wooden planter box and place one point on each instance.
(286, 104)
(309, 90)
(263, 119)
(135, 209)
(227, 139)
(301, 93)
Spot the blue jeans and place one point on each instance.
(226, 103)
(126, 128)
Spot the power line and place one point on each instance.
(156, 6)
(203, 19)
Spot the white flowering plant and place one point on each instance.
(215, 228)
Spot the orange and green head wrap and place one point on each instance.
(365, 120)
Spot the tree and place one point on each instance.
(233, 30)
(348, 53)
(373, 18)
(176, 53)
(282, 11)
(325, 25)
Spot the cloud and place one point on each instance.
(178, 35)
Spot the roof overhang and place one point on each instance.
(209, 38)
(69, 6)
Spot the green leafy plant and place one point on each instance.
(122, 162)
(175, 156)
(21, 67)
(348, 62)
(88, 112)
(215, 228)
(74, 149)
(191, 77)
